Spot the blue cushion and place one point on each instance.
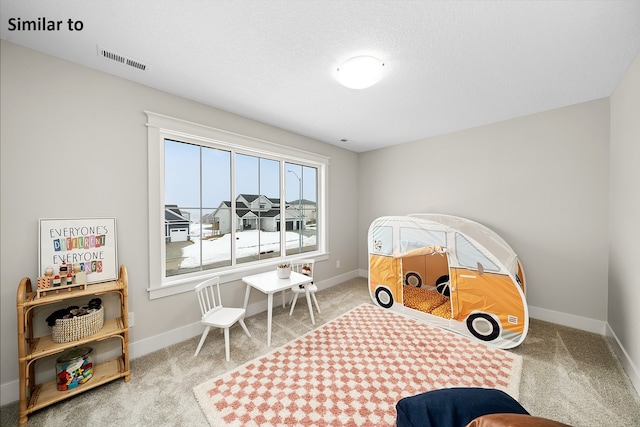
(453, 407)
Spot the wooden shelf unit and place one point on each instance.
(34, 396)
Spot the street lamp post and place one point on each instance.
(299, 208)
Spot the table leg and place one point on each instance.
(246, 297)
(306, 292)
(269, 312)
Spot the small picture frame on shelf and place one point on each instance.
(83, 250)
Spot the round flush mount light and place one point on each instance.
(360, 72)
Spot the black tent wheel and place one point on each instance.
(442, 285)
(476, 319)
(384, 297)
(415, 276)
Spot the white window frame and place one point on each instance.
(161, 127)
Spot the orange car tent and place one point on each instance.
(451, 272)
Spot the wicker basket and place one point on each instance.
(76, 328)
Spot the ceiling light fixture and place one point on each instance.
(360, 72)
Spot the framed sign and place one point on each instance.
(87, 244)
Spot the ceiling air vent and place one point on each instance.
(109, 54)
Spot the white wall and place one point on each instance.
(624, 216)
(541, 182)
(74, 144)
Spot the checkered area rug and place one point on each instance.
(351, 371)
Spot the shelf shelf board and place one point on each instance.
(47, 393)
(32, 298)
(44, 346)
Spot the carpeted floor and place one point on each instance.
(568, 375)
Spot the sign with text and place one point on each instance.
(83, 244)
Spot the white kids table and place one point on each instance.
(269, 283)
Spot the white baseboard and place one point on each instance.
(158, 342)
(336, 280)
(571, 320)
(9, 392)
(630, 368)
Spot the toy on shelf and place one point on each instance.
(79, 276)
(44, 283)
(73, 368)
(67, 277)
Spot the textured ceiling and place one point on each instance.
(449, 65)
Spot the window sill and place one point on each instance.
(178, 286)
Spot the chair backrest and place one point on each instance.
(209, 295)
(304, 266)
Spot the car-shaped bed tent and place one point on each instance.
(451, 272)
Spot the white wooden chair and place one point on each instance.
(214, 314)
(306, 267)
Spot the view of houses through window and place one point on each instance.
(224, 208)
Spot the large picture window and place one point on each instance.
(221, 203)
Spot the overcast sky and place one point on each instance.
(253, 176)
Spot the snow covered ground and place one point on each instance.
(248, 243)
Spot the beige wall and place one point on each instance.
(67, 129)
(624, 216)
(541, 182)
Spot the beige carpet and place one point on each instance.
(352, 371)
(568, 375)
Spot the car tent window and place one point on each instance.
(469, 256)
(415, 238)
(382, 240)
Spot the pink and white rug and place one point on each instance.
(352, 371)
